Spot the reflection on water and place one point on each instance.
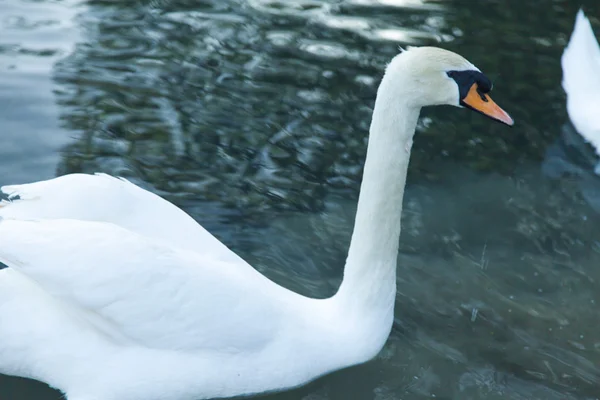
(33, 36)
(252, 116)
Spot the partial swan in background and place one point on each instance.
(581, 81)
(575, 152)
(112, 293)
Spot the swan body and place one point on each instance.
(113, 293)
(581, 80)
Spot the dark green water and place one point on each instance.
(253, 115)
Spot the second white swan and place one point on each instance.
(112, 293)
(581, 81)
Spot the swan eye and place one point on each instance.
(467, 78)
(481, 94)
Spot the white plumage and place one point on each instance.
(114, 200)
(112, 288)
(581, 80)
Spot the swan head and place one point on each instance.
(434, 76)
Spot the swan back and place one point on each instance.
(581, 80)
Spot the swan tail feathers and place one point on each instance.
(68, 196)
(25, 201)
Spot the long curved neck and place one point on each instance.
(368, 289)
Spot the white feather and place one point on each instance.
(101, 197)
(82, 301)
(581, 80)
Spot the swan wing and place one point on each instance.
(101, 197)
(581, 80)
(140, 291)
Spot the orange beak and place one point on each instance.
(482, 103)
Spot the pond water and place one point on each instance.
(253, 115)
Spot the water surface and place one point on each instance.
(253, 115)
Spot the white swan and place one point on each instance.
(581, 81)
(112, 293)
